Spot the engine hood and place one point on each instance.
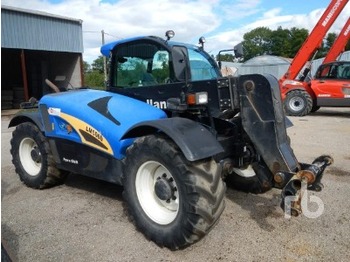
(97, 118)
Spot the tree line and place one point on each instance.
(259, 41)
(93, 74)
(282, 42)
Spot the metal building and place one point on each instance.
(274, 65)
(36, 46)
(266, 64)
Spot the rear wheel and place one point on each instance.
(298, 103)
(315, 108)
(256, 178)
(32, 158)
(172, 201)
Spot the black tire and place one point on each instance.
(32, 158)
(257, 184)
(298, 103)
(192, 192)
(245, 184)
(315, 108)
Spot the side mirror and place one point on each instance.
(238, 49)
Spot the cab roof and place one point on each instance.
(107, 48)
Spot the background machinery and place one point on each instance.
(331, 85)
(339, 44)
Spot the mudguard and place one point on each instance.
(195, 141)
(95, 118)
(28, 115)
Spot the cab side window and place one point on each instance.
(326, 72)
(140, 65)
(201, 69)
(341, 71)
(344, 72)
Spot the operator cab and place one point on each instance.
(332, 84)
(336, 70)
(153, 69)
(145, 61)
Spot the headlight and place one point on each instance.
(169, 34)
(292, 83)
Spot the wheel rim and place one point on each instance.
(157, 192)
(30, 156)
(296, 103)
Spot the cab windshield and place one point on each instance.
(141, 65)
(147, 64)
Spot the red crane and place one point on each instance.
(339, 44)
(298, 96)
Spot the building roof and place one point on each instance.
(267, 60)
(35, 30)
(39, 13)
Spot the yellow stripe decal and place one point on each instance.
(88, 135)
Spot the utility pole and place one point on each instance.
(104, 58)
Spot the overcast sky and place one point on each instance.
(222, 22)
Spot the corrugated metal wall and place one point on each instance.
(35, 31)
(277, 70)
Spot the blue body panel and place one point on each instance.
(96, 118)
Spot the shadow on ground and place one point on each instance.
(95, 186)
(262, 208)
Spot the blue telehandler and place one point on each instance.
(172, 131)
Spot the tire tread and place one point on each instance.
(49, 175)
(301, 93)
(206, 191)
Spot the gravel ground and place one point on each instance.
(85, 220)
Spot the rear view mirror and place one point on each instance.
(238, 49)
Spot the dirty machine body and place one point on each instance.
(172, 131)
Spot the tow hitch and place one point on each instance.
(294, 184)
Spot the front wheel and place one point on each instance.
(298, 103)
(172, 201)
(315, 108)
(32, 158)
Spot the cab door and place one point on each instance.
(143, 70)
(153, 73)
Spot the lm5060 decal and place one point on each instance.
(88, 135)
